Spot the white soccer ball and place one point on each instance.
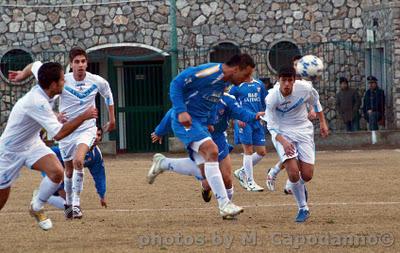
(310, 66)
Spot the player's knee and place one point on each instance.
(56, 175)
(306, 177)
(262, 152)
(211, 151)
(78, 163)
(294, 177)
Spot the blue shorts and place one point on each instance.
(251, 134)
(224, 148)
(196, 132)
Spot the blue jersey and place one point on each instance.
(197, 89)
(227, 109)
(95, 163)
(251, 95)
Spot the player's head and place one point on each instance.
(242, 66)
(373, 82)
(78, 60)
(287, 77)
(99, 136)
(344, 83)
(51, 77)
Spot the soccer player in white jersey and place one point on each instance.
(80, 90)
(293, 133)
(273, 172)
(20, 143)
(79, 93)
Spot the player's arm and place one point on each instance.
(97, 170)
(105, 92)
(238, 112)
(163, 128)
(176, 95)
(263, 95)
(20, 75)
(314, 99)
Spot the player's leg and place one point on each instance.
(68, 171)
(209, 151)
(78, 178)
(272, 173)
(4, 194)
(50, 165)
(226, 171)
(183, 166)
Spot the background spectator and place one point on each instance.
(374, 104)
(348, 103)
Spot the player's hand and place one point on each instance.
(324, 130)
(259, 115)
(288, 147)
(62, 118)
(155, 138)
(15, 75)
(312, 115)
(103, 202)
(90, 113)
(109, 126)
(210, 128)
(241, 124)
(185, 119)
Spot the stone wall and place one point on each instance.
(46, 25)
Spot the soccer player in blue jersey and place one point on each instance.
(251, 96)
(225, 110)
(194, 93)
(95, 163)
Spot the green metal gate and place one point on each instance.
(141, 91)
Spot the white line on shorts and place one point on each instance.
(211, 208)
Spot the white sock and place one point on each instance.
(46, 189)
(77, 186)
(214, 178)
(276, 169)
(183, 166)
(248, 167)
(299, 194)
(68, 190)
(256, 158)
(56, 201)
(230, 193)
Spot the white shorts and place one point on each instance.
(304, 150)
(195, 146)
(12, 162)
(69, 144)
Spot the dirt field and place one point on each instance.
(354, 200)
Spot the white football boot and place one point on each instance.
(155, 168)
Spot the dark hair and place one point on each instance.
(48, 73)
(241, 60)
(343, 80)
(75, 51)
(287, 71)
(297, 57)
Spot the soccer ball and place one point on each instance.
(309, 66)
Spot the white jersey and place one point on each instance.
(78, 96)
(289, 115)
(29, 115)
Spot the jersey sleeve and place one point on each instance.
(35, 68)
(236, 111)
(41, 112)
(105, 91)
(164, 127)
(234, 91)
(314, 101)
(98, 173)
(177, 87)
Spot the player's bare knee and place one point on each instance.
(56, 175)
(262, 152)
(78, 163)
(294, 177)
(306, 177)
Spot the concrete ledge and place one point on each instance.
(336, 141)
